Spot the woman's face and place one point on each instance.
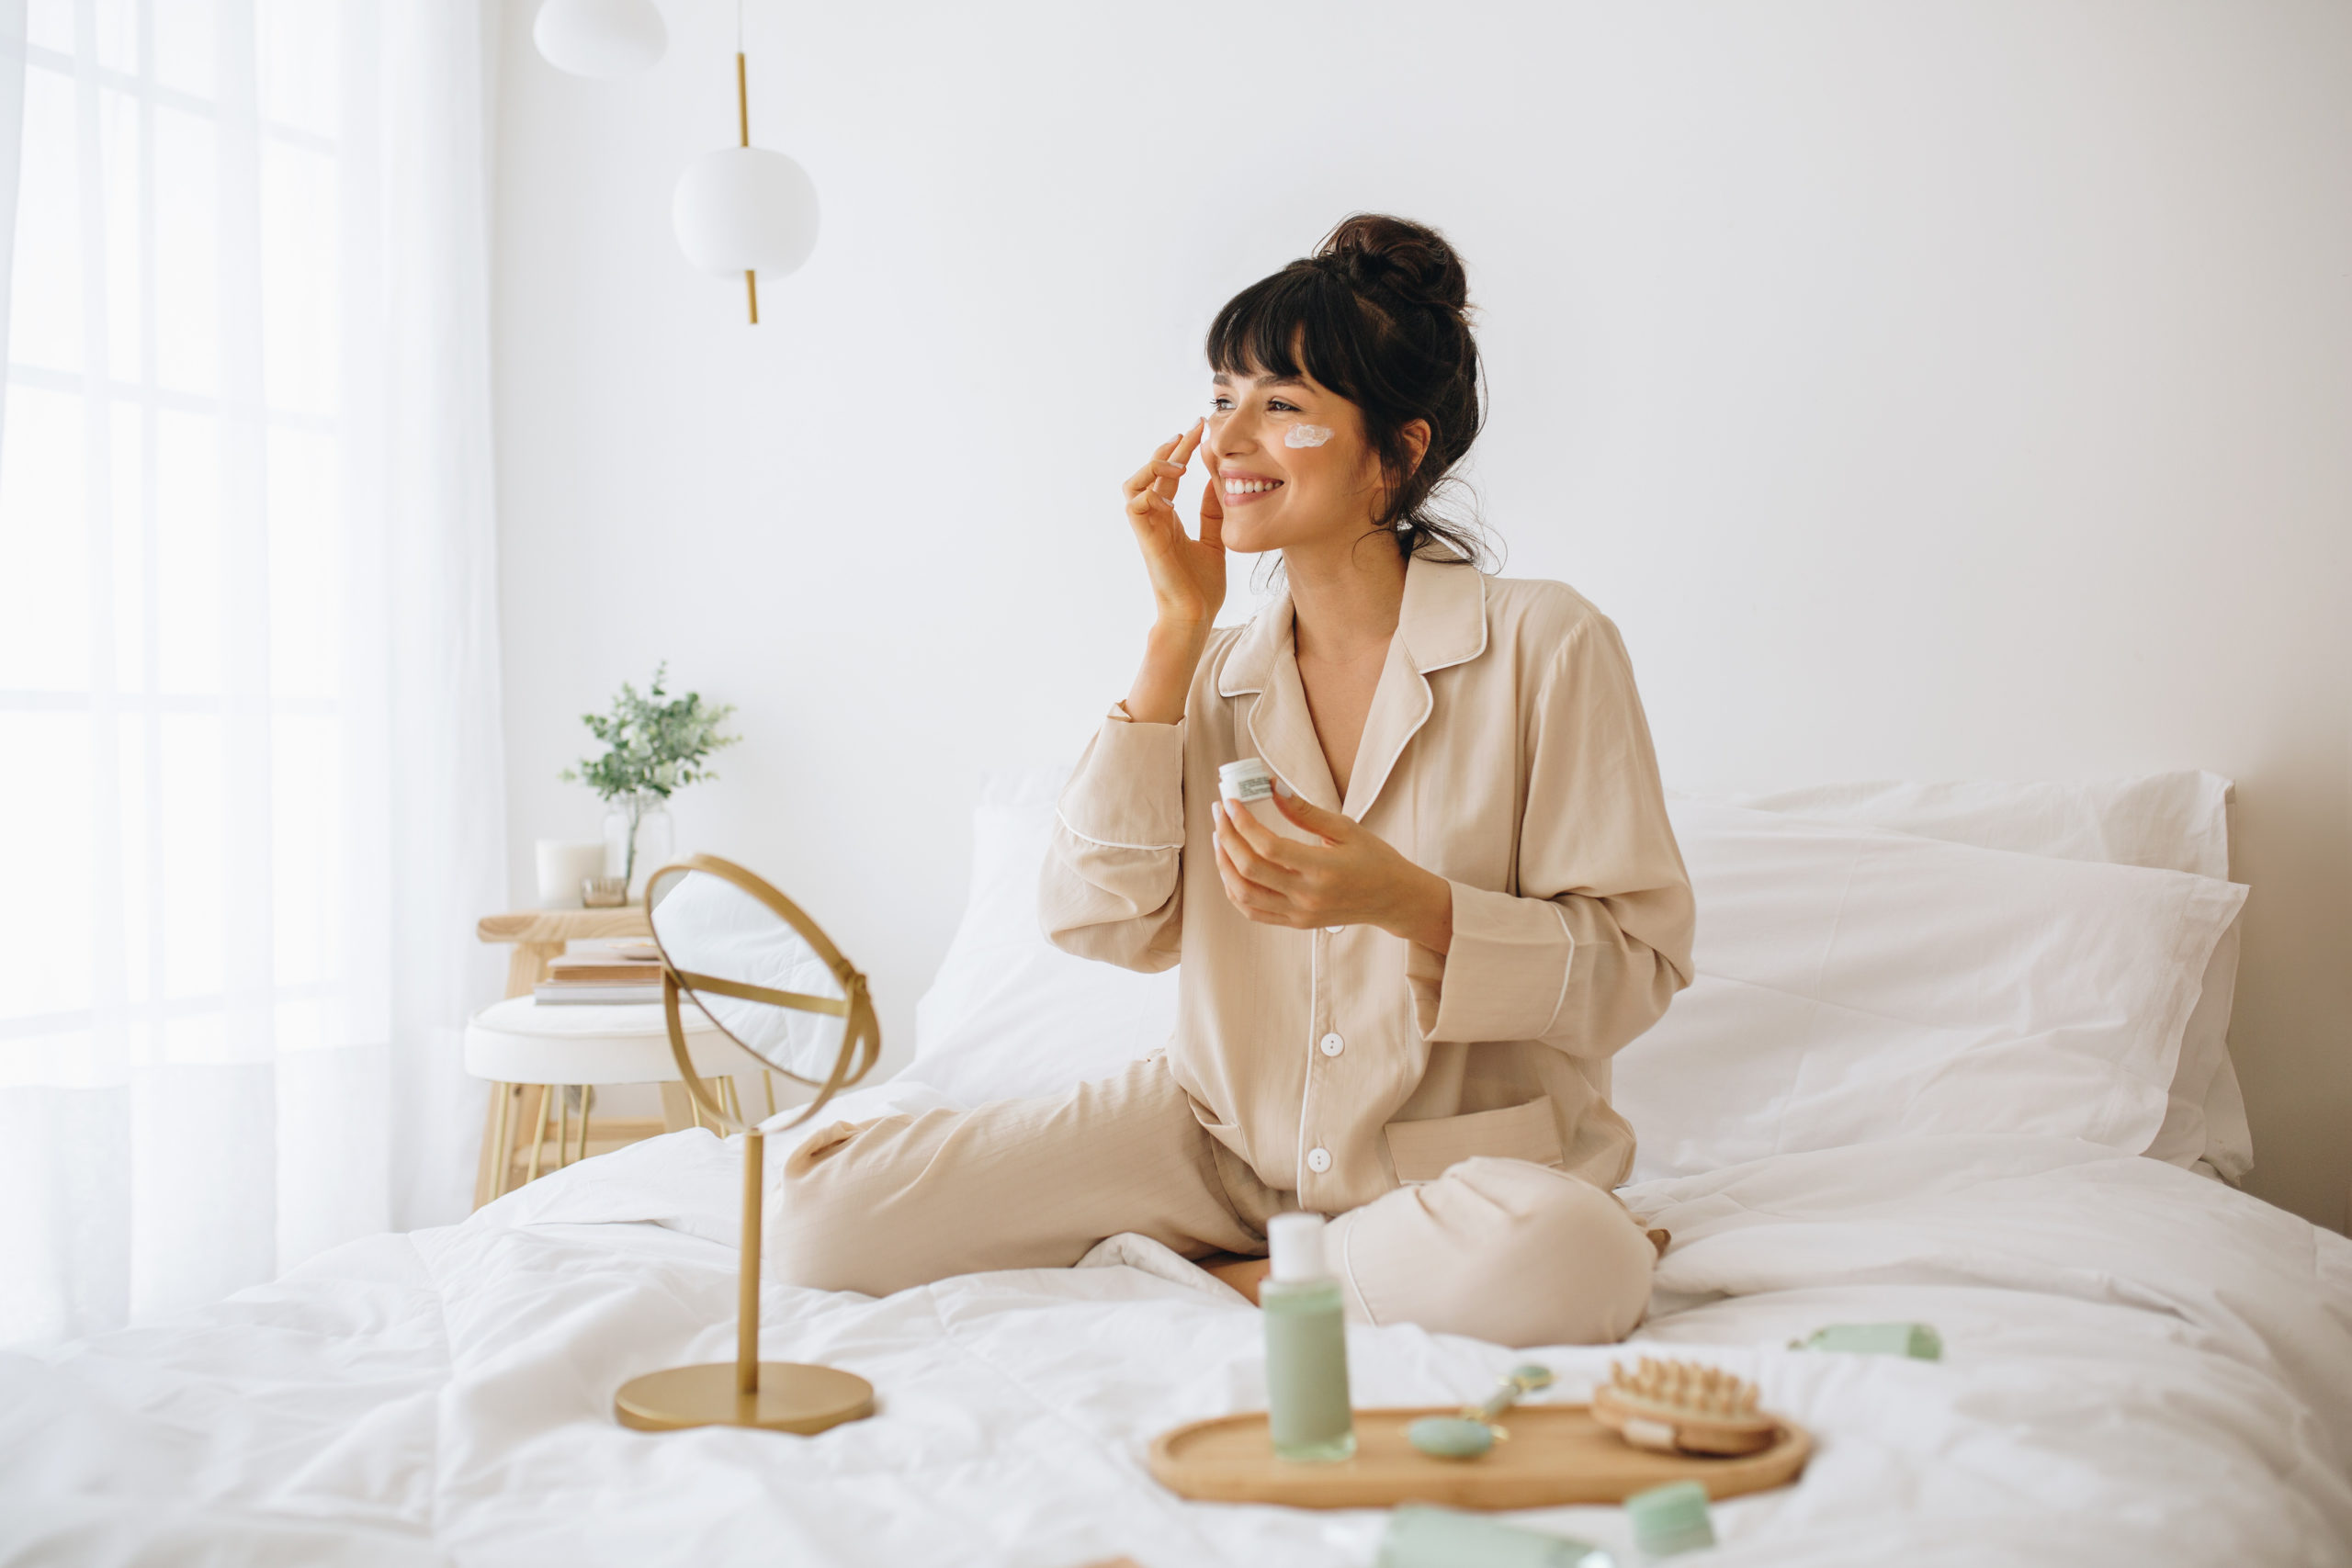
(1289, 459)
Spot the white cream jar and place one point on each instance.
(1251, 784)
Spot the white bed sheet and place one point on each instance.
(2142, 1367)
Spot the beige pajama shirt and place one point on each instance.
(1451, 1109)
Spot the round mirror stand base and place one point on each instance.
(791, 1398)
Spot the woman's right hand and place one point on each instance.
(1187, 573)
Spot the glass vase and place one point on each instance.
(656, 838)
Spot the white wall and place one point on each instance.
(1955, 389)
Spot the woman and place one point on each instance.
(1407, 1023)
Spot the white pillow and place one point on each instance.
(1857, 984)
(2178, 821)
(1009, 1015)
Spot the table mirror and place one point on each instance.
(745, 955)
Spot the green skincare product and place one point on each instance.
(1914, 1339)
(1671, 1519)
(1306, 1345)
(1472, 1433)
(1421, 1536)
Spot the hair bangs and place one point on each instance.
(1299, 322)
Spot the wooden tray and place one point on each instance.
(1556, 1454)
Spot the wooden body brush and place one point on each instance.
(1681, 1407)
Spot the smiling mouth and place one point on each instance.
(1242, 491)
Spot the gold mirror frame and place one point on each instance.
(861, 1044)
(777, 1397)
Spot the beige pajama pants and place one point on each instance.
(1501, 1249)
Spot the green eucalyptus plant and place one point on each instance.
(653, 747)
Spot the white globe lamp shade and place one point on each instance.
(601, 40)
(745, 209)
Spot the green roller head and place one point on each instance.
(1519, 1381)
(1450, 1437)
(1472, 1433)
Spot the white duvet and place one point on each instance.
(2142, 1367)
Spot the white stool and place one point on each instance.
(520, 1045)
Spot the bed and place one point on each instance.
(2008, 1121)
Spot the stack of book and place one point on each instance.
(614, 974)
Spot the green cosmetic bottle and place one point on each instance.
(1307, 1347)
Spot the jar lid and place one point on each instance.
(1244, 769)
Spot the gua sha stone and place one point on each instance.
(1474, 1431)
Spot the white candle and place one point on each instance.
(564, 864)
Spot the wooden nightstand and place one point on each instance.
(519, 1111)
(539, 935)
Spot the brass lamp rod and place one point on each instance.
(743, 126)
(747, 1290)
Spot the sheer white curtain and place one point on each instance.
(249, 761)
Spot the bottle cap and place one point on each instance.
(1670, 1518)
(1295, 1241)
(1248, 779)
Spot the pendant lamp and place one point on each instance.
(744, 208)
(601, 40)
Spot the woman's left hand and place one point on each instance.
(1355, 878)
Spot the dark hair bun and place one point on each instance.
(1409, 260)
(1379, 314)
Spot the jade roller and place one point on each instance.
(1476, 1429)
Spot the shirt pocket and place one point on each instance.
(1422, 1151)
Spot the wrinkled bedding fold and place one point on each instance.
(2141, 1365)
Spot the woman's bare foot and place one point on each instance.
(1244, 1274)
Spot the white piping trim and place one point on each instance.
(1249, 627)
(1306, 1085)
(1105, 843)
(1251, 724)
(1567, 966)
(1474, 653)
(1381, 767)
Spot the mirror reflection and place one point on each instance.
(717, 935)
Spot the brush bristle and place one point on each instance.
(1683, 1386)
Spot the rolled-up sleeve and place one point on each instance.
(1113, 887)
(1594, 944)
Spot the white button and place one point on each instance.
(1334, 930)
(1318, 1160)
(1333, 1045)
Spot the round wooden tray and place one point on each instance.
(1556, 1454)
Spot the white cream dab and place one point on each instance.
(1306, 435)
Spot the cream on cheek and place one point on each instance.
(1306, 435)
